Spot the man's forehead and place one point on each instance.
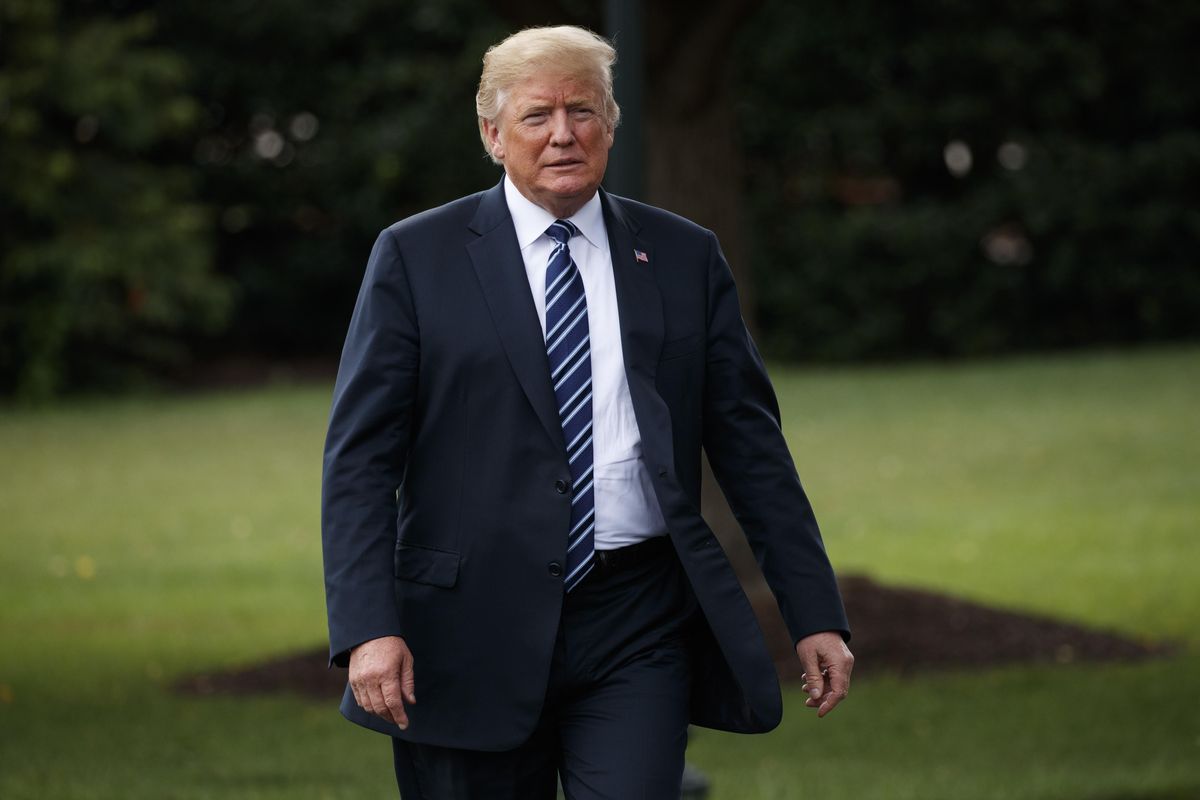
(552, 88)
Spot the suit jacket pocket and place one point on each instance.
(677, 348)
(426, 565)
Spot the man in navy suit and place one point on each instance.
(517, 573)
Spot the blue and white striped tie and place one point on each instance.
(570, 352)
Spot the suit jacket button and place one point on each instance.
(561, 487)
(555, 569)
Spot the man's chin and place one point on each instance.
(560, 194)
(565, 181)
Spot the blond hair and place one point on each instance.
(561, 50)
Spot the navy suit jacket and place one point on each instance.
(441, 519)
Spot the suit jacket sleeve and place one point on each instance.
(366, 449)
(752, 464)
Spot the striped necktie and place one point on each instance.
(569, 350)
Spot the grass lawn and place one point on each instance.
(143, 539)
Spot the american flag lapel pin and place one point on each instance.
(641, 256)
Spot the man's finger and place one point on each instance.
(362, 696)
(377, 706)
(812, 674)
(408, 679)
(839, 687)
(395, 705)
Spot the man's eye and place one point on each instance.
(536, 116)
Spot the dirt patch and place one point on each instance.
(301, 673)
(912, 630)
(895, 629)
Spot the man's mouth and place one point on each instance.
(564, 163)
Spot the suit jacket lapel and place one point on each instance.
(496, 256)
(639, 300)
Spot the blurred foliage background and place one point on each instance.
(182, 183)
(962, 178)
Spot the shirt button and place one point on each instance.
(555, 569)
(561, 487)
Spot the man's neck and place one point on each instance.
(559, 208)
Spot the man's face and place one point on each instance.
(553, 138)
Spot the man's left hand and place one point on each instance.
(827, 665)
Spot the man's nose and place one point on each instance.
(560, 128)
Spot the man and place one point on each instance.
(517, 573)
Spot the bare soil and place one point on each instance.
(909, 631)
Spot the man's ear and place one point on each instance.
(492, 131)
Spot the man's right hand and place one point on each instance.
(381, 677)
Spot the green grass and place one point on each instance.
(145, 539)
(1066, 485)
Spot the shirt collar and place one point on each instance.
(531, 220)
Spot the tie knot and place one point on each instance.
(562, 230)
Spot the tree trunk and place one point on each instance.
(694, 164)
(694, 169)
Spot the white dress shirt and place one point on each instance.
(626, 509)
